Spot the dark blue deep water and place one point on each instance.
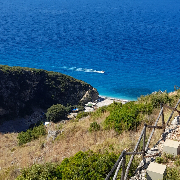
(136, 42)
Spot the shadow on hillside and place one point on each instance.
(21, 124)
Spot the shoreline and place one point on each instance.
(113, 98)
(105, 101)
(102, 101)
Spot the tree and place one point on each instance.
(56, 113)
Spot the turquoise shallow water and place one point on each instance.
(136, 42)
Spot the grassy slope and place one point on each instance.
(75, 138)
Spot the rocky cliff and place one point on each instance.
(21, 89)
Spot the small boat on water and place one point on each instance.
(101, 71)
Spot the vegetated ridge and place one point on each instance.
(23, 88)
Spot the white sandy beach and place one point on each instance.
(104, 101)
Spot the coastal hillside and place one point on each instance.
(85, 147)
(22, 89)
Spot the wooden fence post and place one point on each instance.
(163, 122)
(172, 113)
(123, 166)
(144, 141)
(115, 165)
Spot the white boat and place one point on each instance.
(99, 71)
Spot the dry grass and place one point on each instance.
(158, 132)
(75, 137)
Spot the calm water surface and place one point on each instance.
(136, 42)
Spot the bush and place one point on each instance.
(56, 113)
(127, 116)
(157, 98)
(84, 165)
(98, 113)
(87, 165)
(160, 160)
(173, 173)
(165, 158)
(81, 115)
(94, 127)
(31, 134)
(40, 172)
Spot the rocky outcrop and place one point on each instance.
(90, 96)
(21, 89)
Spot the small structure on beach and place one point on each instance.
(75, 110)
(89, 107)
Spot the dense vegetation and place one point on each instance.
(81, 115)
(156, 98)
(56, 112)
(31, 134)
(123, 117)
(22, 89)
(130, 115)
(84, 165)
(127, 117)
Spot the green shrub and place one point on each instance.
(80, 107)
(40, 172)
(177, 162)
(127, 116)
(173, 173)
(170, 156)
(98, 113)
(157, 98)
(165, 158)
(87, 165)
(31, 134)
(160, 160)
(81, 115)
(94, 127)
(84, 165)
(56, 113)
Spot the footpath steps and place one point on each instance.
(169, 143)
(171, 147)
(155, 171)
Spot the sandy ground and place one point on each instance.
(105, 101)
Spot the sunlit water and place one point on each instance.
(136, 42)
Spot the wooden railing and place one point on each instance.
(122, 158)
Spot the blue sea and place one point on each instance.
(136, 42)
